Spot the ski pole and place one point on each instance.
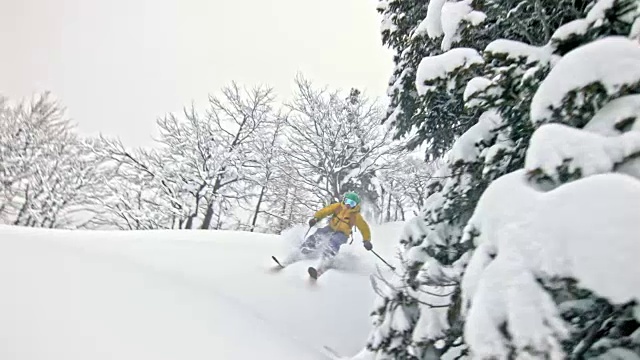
(376, 254)
(307, 233)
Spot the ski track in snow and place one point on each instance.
(143, 295)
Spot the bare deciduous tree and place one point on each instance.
(48, 178)
(204, 161)
(403, 187)
(336, 142)
(141, 194)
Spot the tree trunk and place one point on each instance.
(208, 217)
(219, 220)
(290, 220)
(389, 208)
(281, 220)
(198, 196)
(189, 223)
(255, 214)
(395, 212)
(21, 213)
(381, 217)
(267, 178)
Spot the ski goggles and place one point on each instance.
(350, 203)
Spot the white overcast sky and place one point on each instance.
(118, 65)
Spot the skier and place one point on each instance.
(344, 216)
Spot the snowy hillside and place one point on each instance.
(178, 295)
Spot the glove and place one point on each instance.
(367, 245)
(313, 221)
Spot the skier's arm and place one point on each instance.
(326, 211)
(364, 228)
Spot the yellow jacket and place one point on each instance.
(344, 219)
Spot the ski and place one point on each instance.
(315, 273)
(332, 353)
(277, 261)
(323, 265)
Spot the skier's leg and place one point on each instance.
(307, 248)
(331, 250)
(335, 242)
(311, 243)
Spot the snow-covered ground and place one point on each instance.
(178, 295)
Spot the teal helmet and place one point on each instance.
(351, 199)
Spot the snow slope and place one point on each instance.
(178, 295)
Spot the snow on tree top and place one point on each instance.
(444, 18)
(619, 353)
(525, 234)
(598, 11)
(453, 13)
(440, 66)
(552, 145)
(594, 18)
(432, 322)
(635, 30)
(516, 49)
(387, 24)
(475, 86)
(432, 24)
(613, 61)
(575, 27)
(465, 147)
(609, 120)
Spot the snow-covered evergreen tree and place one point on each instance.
(556, 223)
(507, 88)
(419, 29)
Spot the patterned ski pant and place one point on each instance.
(333, 240)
